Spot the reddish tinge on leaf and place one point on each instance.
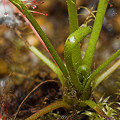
(110, 3)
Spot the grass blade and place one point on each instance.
(48, 62)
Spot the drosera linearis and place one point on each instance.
(28, 3)
(34, 6)
(33, 29)
(19, 3)
(72, 93)
(32, 3)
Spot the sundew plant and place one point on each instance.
(77, 79)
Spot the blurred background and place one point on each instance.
(21, 70)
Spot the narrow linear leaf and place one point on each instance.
(72, 41)
(72, 12)
(104, 75)
(102, 6)
(19, 4)
(48, 62)
(101, 67)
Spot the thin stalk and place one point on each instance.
(101, 67)
(53, 106)
(41, 34)
(95, 33)
(73, 17)
(73, 26)
(48, 62)
(104, 75)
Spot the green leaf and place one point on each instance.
(20, 5)
(100, 68)
(49, 63)
(104, 75)
(102, 6)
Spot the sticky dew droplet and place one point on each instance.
(109, 3)
(46, 14)
(34, 7)
(5, 14)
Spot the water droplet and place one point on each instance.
(72, 39)
(34, 6)
(5, 14)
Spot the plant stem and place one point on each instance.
(104, 75)
(72, 41)
(42, 35)
(95, 33)
(53, 106)
(101, 67)
(49, 63)
(72, 12)
(73, 24)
